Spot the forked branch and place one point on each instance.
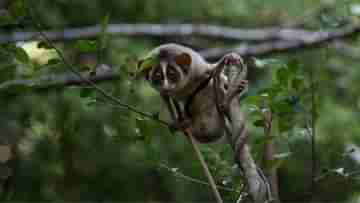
(257, 183)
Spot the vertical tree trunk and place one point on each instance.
(256, 184)
(271, 173)
(269, 150)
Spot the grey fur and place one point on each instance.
(206, 123)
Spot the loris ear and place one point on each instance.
(145, 65)
(183, 59)
(142, 71)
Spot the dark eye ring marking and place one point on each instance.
(157, 76)
(172, 74)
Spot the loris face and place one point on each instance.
(170, 74)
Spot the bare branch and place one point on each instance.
(346, 50)
(274, 39)
(204, 165)
(194, 180)
(164, 30)
(313, 40)
(57, 80)
(269, 151)
(307, 41)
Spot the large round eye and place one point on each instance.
(157, 76)
(172, 74)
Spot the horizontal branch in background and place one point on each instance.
(274, 39)
(307, 41)
(162, 30)
(56, 80)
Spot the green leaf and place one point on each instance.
(277, 161)
(315, 114)
(44, 45)
(274, 164)
(282, 76)
(254, 100)
(109, 131)
(297, 83)
(261, 63)
(156, 115)
(17, 88)
(281, 107)
(260, 123)
(21, 55)
(89, 103)
(141, 129)
(87, 92)
(86, 45)
(329, 21)
(147, 63)
(270, 92)
(53, 61)
(294, 66)
(17, 8)
(282, 155)
(6, 19)
(285, 124)
(7, 71)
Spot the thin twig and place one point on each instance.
(204, 165)
(269, 150)
(313, 135)
(194, 180)
(52, 80)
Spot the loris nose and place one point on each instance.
(166, 87)
(166, 84)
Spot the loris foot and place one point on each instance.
(232, 59)
(236, 91)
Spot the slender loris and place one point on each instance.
(183, 79)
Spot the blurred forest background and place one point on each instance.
(64, 141)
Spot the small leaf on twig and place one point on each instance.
(21, 55)
(17, 8)
(277, 161)
(282, 155)
(147, 63)
(44, 45)
(53, 61)
(86, 45)
(260, 123)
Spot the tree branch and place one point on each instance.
(164, 30)
(57, 80)
(194, 180)
(313, 39)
